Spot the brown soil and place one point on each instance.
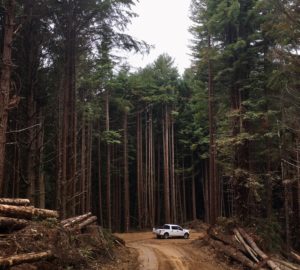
(172, 254)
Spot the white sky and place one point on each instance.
(164, 24)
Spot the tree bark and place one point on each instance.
(233, 253)
(26, 212)
(72, 221)
(85, 223)
(253, 245)
(83, 167)
(99, 179)
(24, 258)
(5, 81)
(126, 176)
(108, 165)
(166, 166)
(139, 157)
(19, 202)
(12, 223)
(213, 185)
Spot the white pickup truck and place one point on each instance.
(171, 230)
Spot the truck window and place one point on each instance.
(167, 227)
(174, 227)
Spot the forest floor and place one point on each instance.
(90, 250)
(172, 254)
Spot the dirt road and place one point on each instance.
(170, 254)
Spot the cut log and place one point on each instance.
(12, 223)
(286, 265)
(72, 221)
(24, 258)
(18, 202)
(119, 240)
(295, 257)
(26, 212)
(260, 253)
(226, 239)
(234, 254)
(249, 250)
(85, 223)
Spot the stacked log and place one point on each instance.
(241, 247)
(16, 213)
(79, 222)
(24, 258)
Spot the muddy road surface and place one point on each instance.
(170, 254)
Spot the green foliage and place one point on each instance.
(111, 137)
(270, 232)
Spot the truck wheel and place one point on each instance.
(166, 236)
(186, 236)
(158, 236)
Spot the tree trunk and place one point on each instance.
(89, 169)
(298, 183)
(213, 184)
(172, 174)
(5, 80)
(139, 152)
(83, 167)
(99, 180)
(108, 167)
(166, 165)
(194, 210)
(126, 176)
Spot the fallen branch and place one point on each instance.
(24, 258)
(260, 253)
(72, 221)
(26, 212)
(18, 202)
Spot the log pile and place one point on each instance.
(241, 247)
(16, 214)
(79, 222)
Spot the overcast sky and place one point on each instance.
(164, 24)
